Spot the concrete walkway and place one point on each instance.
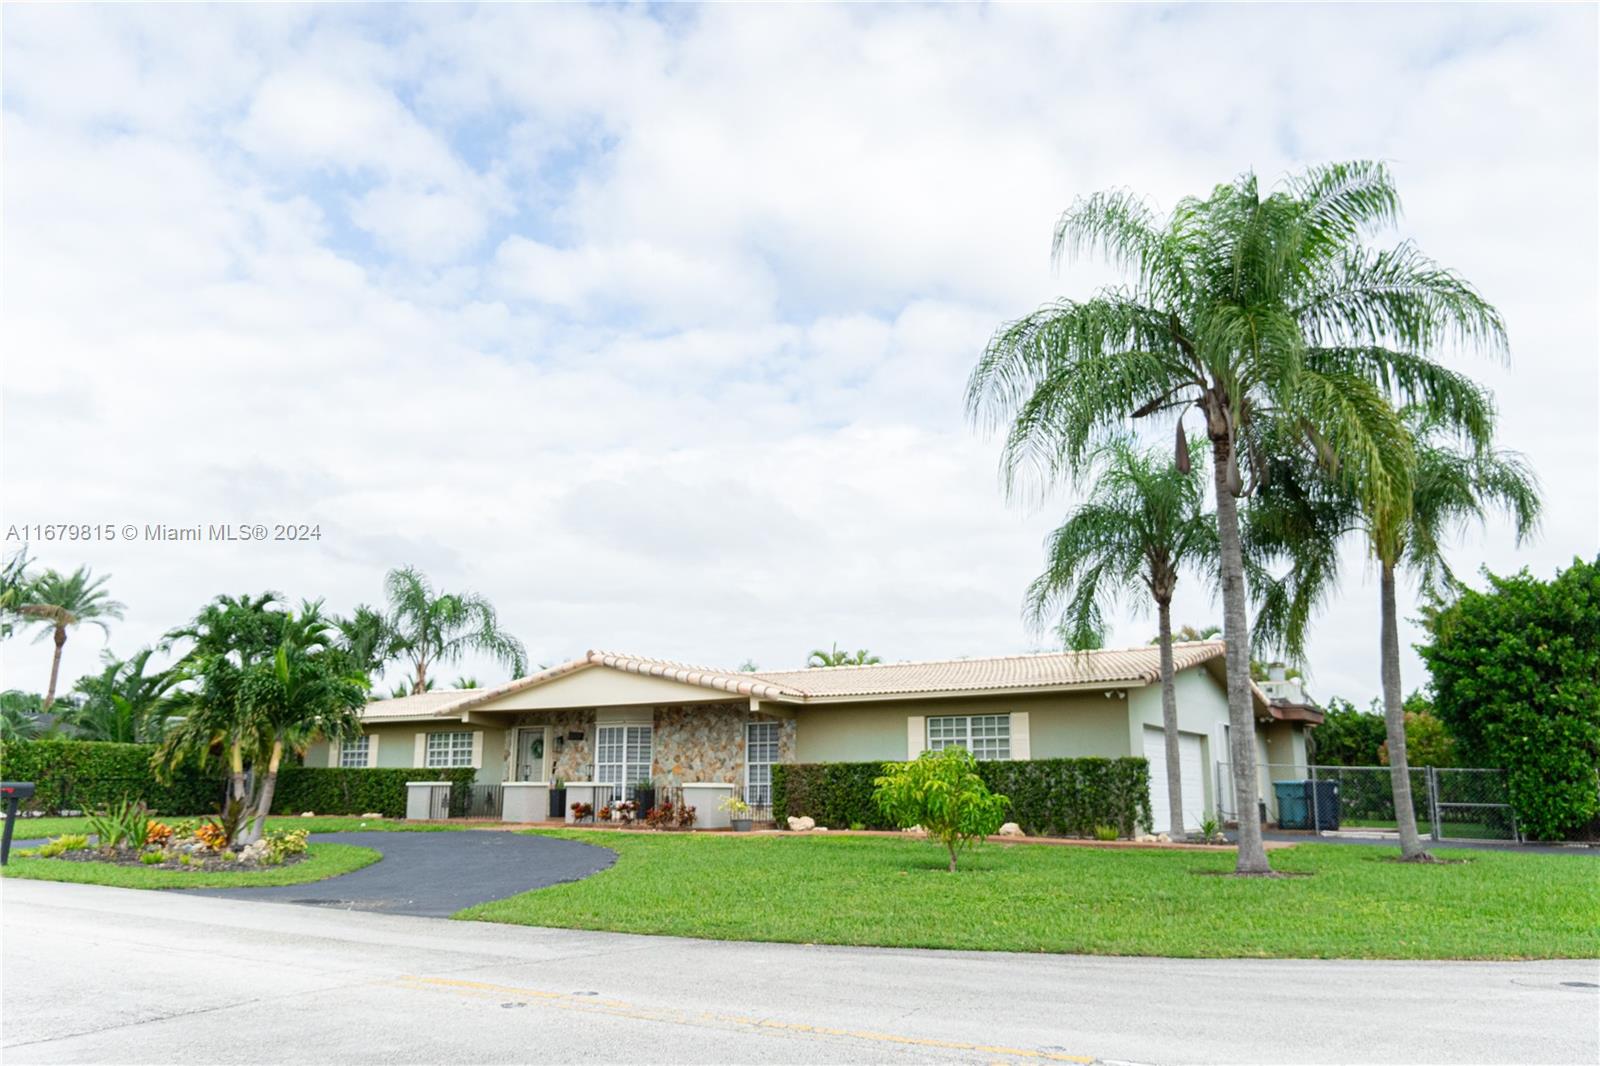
(437, 874)
(103, 975)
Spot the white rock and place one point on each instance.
(913, 829)
(802, 823)
(1144, 838)
(1163, 838)
(307, 814)
(820, 829)
(1012, 829)
(372, 814)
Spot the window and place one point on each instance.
(449, 749)
(987, 736)
(622, 757)
(760, 752)
(353, 753)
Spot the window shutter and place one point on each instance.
(420, 757)
(1019, 735)
(477, 750)
(372, 750)
(916, 735)
(333, 753)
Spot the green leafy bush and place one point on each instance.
(1106, 832)
(285, 842)
(60, 846)
(1516, 679)
(1348, 735)
(151, 858)
(1049, 797)
(942, 793)
(84, 775)
(125, 825)
(330, 790)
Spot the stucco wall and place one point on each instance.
(1063, 725)
(397, 746)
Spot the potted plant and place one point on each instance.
(644, 794)
(738, 813)
(582, 811)
(558, 797)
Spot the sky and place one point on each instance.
(652, 324)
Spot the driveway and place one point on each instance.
(104, 975)
(436, 874)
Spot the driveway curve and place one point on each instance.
(436, 874)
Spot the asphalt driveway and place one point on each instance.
(436, 874)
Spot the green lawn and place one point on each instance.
(325, 861)
(34, 828)
(873, 890)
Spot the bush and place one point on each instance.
(942, 793)
(1049, 797)
(1516, 679)
(1348, 736)
(60, 846)
(84, 775)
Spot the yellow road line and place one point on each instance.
(622, 1009)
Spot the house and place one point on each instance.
(619, 719)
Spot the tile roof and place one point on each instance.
(1004, 673)
(887, 680)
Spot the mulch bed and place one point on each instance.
(207, 861)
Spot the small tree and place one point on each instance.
(942, 793)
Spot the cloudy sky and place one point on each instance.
(653, 324)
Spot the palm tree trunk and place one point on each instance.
(55, 669)
(236, 771)
(1394, 720)
(1169, 724)
(268, 787)
(1236, 633)
(420, 685)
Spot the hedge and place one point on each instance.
(88, 775)
(1049, 797)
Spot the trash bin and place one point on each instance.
(1293, 810)
(1295, 807)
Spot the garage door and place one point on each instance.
(1192, 768)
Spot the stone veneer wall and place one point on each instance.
(705, 742)
(693, 742)
(574, 761)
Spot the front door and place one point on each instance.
(530, 754)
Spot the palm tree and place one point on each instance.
(427, 628)
(835, 657)
(260, 704)
(366, 638)
(122, 703)
(14, 584)
(464, 682)
(1455, 480)
(61, 603)
(1144, 521)
(19, 715)
(1255, 311)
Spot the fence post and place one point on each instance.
(1316, 816)
(1433, 801)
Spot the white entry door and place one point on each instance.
(1192, 768)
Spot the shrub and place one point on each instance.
(1106, 832)
(1348, 736)
(85, 775)
(1516, 679)
(151, 858)
(1049, 797)
(60, 846)
(332, 790)
(1428, 743)
(942, 793)
(285, 842)
(212, 835)
(157, 833)
(125, 825)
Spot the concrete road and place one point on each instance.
(111, 975)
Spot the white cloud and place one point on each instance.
(653, 325)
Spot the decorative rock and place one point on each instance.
(307, 814)
(1163, 838)
(802, 823)
(820, 829)
(372, 814)
(913, 829)
(1144, 838)
(1012, 829)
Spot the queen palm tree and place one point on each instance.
(14, 583)
(1456, 479)
(1143, 521)
(837, 657)
(1250, 310)
(61, 603)
(427, 627)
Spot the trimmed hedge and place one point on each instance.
(1049, 797)
(328, 790)
(89, 775)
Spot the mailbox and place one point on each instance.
(12, 793)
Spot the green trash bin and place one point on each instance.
(1293, 810)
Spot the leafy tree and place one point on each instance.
(366, 638)
(1348, 735)
(262, 682)
(122, 703)
(19, 715)
(1516, 679)
(61, 603)
(427, 627)
(942, 793)
(1144, 520)
(836, 657)
(1428, 742)
(1268, 317)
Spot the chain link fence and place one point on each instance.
(1448, 803)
